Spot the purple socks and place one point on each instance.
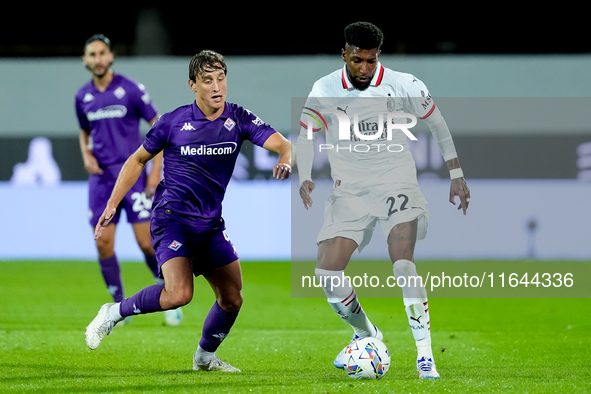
(112, 276)
(216, 327)
(146, 300)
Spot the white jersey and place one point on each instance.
(375, 148)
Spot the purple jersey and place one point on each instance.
(113, 119)
(199, 158)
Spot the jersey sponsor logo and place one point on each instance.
(220, 148)
(256, 121)
(428, 100)
(110, 112)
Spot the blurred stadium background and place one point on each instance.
(515, 92)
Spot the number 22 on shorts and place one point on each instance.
(397, 204)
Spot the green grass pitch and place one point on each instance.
(281, 344)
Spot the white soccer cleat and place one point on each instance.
(426, 368)
(214, 365)
(173, 317)
(341, 358)
(101, 326)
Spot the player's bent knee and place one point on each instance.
(176, 297)
(181, 299)
(231, 303)
(105, 249)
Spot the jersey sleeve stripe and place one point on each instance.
(428, 113)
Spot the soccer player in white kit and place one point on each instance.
(367, 112)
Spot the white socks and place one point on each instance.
(343, 299)
(416, 305)
(418, 317)
(424, 348)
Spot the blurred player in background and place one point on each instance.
(374, 185)
(109, 109)
(201, 142)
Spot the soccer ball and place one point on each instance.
(173, 317)
(367, 358)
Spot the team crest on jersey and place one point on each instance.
(119, 92)
(229, 124)
(175, 245)
(390, 103)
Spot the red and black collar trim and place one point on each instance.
(380, 76)
(376, 81)
(344, 79)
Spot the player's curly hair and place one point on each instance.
(206, 61)
(363, 35)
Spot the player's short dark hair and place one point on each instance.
(206, 61)
(363, 35)
(98, 37)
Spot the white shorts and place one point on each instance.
(353, 212)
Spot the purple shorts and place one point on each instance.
(135, 203)
(208, 250)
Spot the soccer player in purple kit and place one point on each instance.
(109, 109)
(201, 142)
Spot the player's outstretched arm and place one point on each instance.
(279, 144)
(458, 187)
(128, 176)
